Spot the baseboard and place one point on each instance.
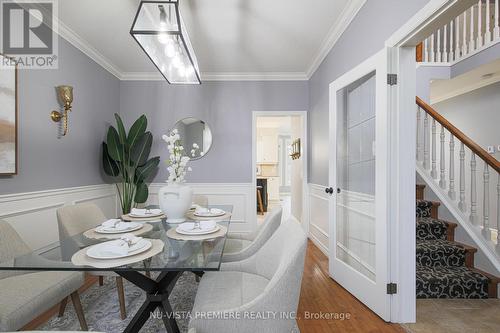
(318, 213)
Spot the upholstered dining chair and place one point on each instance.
(76, 219)
(240, 246)
(25, 295)
(268, 282)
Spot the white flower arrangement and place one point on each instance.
(177, 162)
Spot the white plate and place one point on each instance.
(209, 214)
(142, 246)
(145, 215)
(134, 226)
(197, 232)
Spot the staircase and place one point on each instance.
(445, 268)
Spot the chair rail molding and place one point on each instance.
(318, 216)
(240, 195)
(33, 214)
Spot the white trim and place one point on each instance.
(320, 245)
(466, 89)
(251, 76)
(45, 193)
(304, 145)
(348, 13)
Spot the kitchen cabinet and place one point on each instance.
(267, 149)
(273, 188)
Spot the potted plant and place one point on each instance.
(176, 197)
(126, 157)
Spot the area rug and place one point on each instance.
(102, 311)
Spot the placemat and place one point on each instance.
(95, 235)
(80, 258)
(190, 215)
(175, 235)
(129, 218)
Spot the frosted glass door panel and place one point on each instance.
(356, 177)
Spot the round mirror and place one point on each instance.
(195, 137)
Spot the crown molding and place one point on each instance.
(250, 76)
(337, 29)
(77, 41)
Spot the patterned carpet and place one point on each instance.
(103, 314)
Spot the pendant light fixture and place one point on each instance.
(160, 32)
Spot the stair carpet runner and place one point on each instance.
(442, 269)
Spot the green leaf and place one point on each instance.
(143, 172)
(137, 130)
(141, 193)
(139, 152)
(110, 166)
(115, 148)
(121, 129)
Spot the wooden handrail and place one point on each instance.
(476, 149)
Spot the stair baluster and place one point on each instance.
(464, 35)
(479, 39)
(487, 36)
(471, 39)
(439, 55)
(451, 191)
(433, 54)
(498, 215)
(453, 41)
(457, 38)
(486, 203)
(496, 27)
(473, 194)
(419, 125)
(426, 141)
(445, 44)
(442, 166)
(433, 150)
(461, 203)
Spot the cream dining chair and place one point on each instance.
(240, 246)
(24, 295)
(268, 282)
(76, 219)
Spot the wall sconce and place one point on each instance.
(295, 150)
(65, 94)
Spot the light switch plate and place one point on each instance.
(498, 148)
(490, 149)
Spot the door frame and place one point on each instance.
(304, 147)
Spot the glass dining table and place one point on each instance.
(177, 256)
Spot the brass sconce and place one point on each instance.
(295, 150)
(65, 94)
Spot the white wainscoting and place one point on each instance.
(33, 214)
(318, 216)
(240, 195)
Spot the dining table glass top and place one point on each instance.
(177, 255)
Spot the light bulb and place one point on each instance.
(170, 49)
(163, 38)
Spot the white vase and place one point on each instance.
(175, 200)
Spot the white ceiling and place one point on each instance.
(232, 39)
(477, 78)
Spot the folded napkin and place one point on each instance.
(217, 211)
(204, 226)
(130, 239)
(115, 224)
(145, 212)
(202, 210)
(114, 248)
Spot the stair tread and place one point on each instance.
(430, 228)
(424, 208)
(451, 282)
(440, 252)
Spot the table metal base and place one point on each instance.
(157, 291)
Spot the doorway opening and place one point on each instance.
(280, 162)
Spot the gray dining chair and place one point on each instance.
(76, 219)
(240, 246)
(25, 295)
(267, 282)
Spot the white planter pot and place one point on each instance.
(175, 200)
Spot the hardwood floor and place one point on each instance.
(321, 294)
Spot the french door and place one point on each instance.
(359, 175)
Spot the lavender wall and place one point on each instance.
(227, 108)
(45, 161)
(366, 35)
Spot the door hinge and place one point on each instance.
(392, 288)
(392, 79)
